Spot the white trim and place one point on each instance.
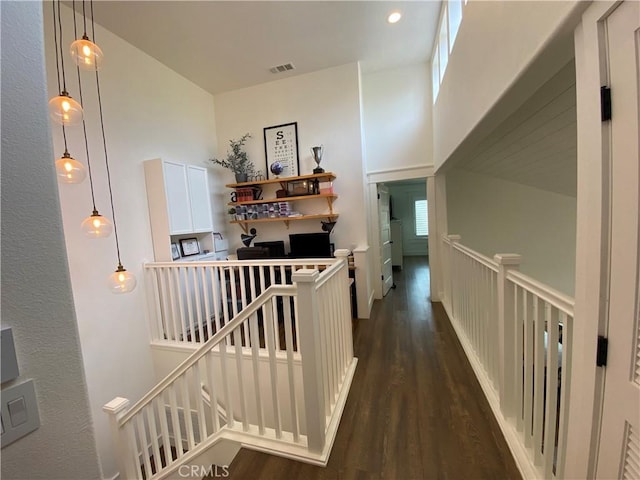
(592, 244)
(400, 173)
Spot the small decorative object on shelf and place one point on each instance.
(276, 168)
(247, 239)
(237, 160)
(300, 187)
(317, 157)
(327, 226)
(189, 246)
(175, 252)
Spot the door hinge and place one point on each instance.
(378, 196)
(381, 277)
(605, 103)
(601, 355)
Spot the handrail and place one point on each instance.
(244, 263)
(271, 291)
(549, 294)
(327, 273)
(486, 261)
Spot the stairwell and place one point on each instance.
(247, 384)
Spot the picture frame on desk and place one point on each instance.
(189, 246)
(281, 145)
(175, 251)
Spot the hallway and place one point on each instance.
(415, 409)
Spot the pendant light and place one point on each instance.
(95, 225)
(63, 109)
(68, 169)
(84, 52)
(121, 281)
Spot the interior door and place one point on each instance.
(619, 454)
(385, 239)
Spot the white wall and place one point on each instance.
(36, 292)
(496, 43)
(403, 198)
(149, 112)
(326, 105)
(397, 118)
(497, 216)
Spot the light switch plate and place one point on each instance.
(23, 412)
(9, 363)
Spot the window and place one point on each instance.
(421, 217)
(455, 17)
(450, 20)
(443, 44)
(435, 74)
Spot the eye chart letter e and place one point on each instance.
(281, 145)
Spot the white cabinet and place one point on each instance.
(179, 203)
(199, 198)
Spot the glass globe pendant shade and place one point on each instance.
(122, 281)
(96, 226)
(87, 54)
(65, 110)
(69, 169)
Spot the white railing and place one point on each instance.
(245, 385)
(190, 301)
(517, 334)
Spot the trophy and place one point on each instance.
(317, 157)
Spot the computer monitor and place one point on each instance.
(276, 248)
(310, 245)
(252, 253)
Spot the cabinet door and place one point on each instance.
(199, 198)
(178, 204)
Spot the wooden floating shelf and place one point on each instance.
(321, 216)
(327, 177)
(328, 196)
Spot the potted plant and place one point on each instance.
(237, 160)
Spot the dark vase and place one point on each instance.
(241, 177)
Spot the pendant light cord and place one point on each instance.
(55, 43)
(84, 124)
(64, 79)
(104, 144)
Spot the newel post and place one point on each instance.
(453, 239)
(116, 409)
(506, 332)
(312, 379)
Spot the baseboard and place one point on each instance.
(520, 453)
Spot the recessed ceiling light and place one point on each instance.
(394, 17)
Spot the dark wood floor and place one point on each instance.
(415, 410)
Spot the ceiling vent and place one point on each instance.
(282, 68)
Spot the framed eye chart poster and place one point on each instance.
(281, 145)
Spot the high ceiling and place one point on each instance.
(227, 45)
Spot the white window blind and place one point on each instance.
(422, 220)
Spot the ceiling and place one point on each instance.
(227, 45)
(537, 144)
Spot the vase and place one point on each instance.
(241, 177)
